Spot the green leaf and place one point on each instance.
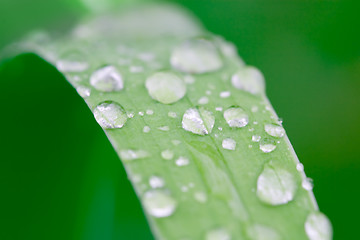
(206, 153)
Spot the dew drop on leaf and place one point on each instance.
(72, 61)
(146, 129)
(267, 145)
(225, 94)
(218, 234)
(318, 227)
(156, 182)
(165, 87)
(236, 117)
(83, 91)
(275, 186)
(249, 79)
(110, 114)
(256, 138)
(182, 161)
(198, 121)
(159, 203)
(196, 56)
(307, 184)
(274, 130)
(131, 154)
(229, 144)
(200, 197)
(261, 232)
(107, 79)
(167, 154)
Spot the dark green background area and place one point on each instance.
(60, 178)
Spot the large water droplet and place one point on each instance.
(260, 232)
(274, 130)
(275, 186)
(236, 117)
(196, 56)
(318, 227)
(165, 87)
(249, 79)
(267, 145)
(218, 234)
(198, 120)
(159, 203)
(107, 79)
(229, 143)
(110, 114)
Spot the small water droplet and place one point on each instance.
(307, 184)
(130, 115)
(218, 234)
(182, 161)
(300, 167)
(251, 129)
(219, 109)
(220, 128)
(229, 144)
(275, 186)
(110, 114)
(136, 69)
(236, 117)
(254, 109)
(72, 61)
(255, 122)
(167, 154)
(225, 94)
(159, 203)
(196, 56)
(141, 113)
(200, 197)
(156, 182)
(184, 188)
(146, 129)
(267, 145)
(318, 227)
(107, 79)
(188, 79)
(130, 154)
(274, 130)
(249, 79)
(208, 92)
(255, 138)
(172, 114)
(149, 112)
(164, 128)
(260, 232)
(165, 87)
(198, 120)
(83, 91)
(203, 100)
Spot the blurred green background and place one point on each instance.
(60, 178)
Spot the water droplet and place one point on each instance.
(107, 79)
(218, 234)
(255, 138)
(200, 197)
(136, 69)
(225, 94)
(164, 128)
(110, 114)
(275, 186)
(83, 91)
(156, 182)
(274, 130)
(184, 188)
(198, 120)
(182, 161)
(141, 113)
(300, 167)
(149, 112)
(208, 92)
(267, 145)
(220, 128)
(307, 184)
(165, 87)
(318, 227)
(146, 129)
(219, 109)
(159, 203)
(260, 232)
(167, 154)
(203, 100)
(249, 79)
(172, 114)
(72, 61)
(130, 115)
(236, 117)
(188, 79)
(254, 109)
(196, 56)
(229, 143)
(130, 154)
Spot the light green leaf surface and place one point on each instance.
(218, 179)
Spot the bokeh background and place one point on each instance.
(60, 178)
